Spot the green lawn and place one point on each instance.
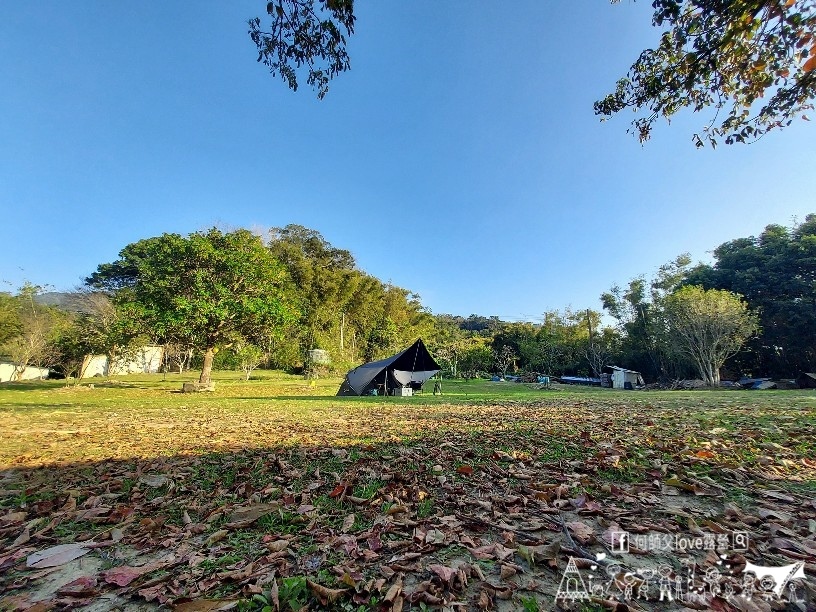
(363, 495)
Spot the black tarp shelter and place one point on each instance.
(410, 368)
(806, 380)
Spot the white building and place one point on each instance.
(145, 360)
(30, 373)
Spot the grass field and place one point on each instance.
(276, 493)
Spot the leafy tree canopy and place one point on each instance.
(29, 331)
(776, 272)
(639, 309)
(708, 327)
(201, 289)
(305, 33)
(753, 60)
(343, 310)
(10, 322)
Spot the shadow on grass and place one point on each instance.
(86, 383)
(184, 502)
(31, 385)
(343, 398)
(534, 459)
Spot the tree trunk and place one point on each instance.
(711, 375)
(204, 379)
(111, 360)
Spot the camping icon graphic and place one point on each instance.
(572, 585)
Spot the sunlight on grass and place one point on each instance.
(45, 422)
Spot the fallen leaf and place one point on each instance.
(393, 592)
(447, 574)
(22, 538)
(277, 545)
(82, 586)
(483, 552)
(507, 572)
(485, 601)
(434, 536)
(244, 517)
(217, 536)
(357, 500)
(338, 491)
(239, 574)
(274, 593)
(502, 552)
(205, 605)
(154, 480)
(582, 532)
(781, 496)
(324, 594)
(13, 517)
(56, 555)
(125, 574)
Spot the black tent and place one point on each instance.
(410, 368)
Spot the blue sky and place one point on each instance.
(460, 157)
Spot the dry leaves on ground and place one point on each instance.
(480, 507)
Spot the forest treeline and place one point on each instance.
(242, 300)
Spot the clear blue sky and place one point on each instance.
(460, 157)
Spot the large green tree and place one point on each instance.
(751, 61)
(639, 309)
(343, 310)
(10, 322)
(776, 274)
(200, 290)
(707, 327)
(476, 357)
(325, 278)
(448, 342)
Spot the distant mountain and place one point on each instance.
(72, 302)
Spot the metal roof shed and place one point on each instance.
(622, 376)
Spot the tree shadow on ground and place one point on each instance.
(471, 516)
(26, 385)
(336, 398)
(86, 383)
